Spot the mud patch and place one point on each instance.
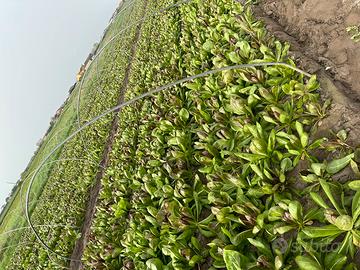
(316, 30)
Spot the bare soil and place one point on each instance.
(320, 27)
(316, 30)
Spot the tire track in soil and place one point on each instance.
(80, 244)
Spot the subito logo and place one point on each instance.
(280, 244)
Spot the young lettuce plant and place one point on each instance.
(343, 222)
(325, 170)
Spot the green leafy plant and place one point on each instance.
(354, 31)
(220, 172)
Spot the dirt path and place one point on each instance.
(95, 190)
(311, 43)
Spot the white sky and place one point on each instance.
(42, 45)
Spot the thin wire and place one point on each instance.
(46, 225)
(16, 245)
(155, 13)
(35, 172)
(129, 102)
(51, 162)
(98, 53)
(96, 57)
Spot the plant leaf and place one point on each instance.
(346, 242)
(334, 261)
(271, 141)
(257, 170)
(313, 83)
(237, 239)
(328, 230)
(286, 164)
(304, 137)
(284, 229)
(344, 222)
(355, 168)
(234, 57)
(354, 185)
(184, 114)
(337, 165)
(355, 206)
(261, 246)
(208, 45)
(356, 237)
(154, 264)
(325, 186)
(307, 263)
(317, 199)
(295, 210)
(194, 260)
(232, 260)
(318, 168)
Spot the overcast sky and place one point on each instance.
(42, 45)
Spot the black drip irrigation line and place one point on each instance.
(129, 102)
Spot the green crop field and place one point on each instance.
(189, 143)
(14, 216)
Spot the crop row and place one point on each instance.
(153, 66)
(222, 172)
(65, 195)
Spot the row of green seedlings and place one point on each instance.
(103, 78)
(210, 182)
(159, 36)
(102, 88)
(92, 86)
(12, 241)
(65, 196)
(103, 72)
(57, 133)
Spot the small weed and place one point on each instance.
(354, 31)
